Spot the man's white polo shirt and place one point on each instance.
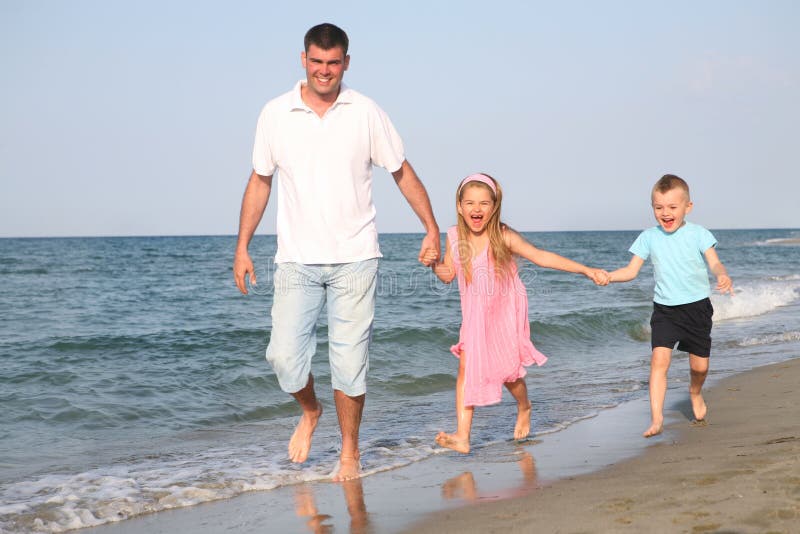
(323, 169)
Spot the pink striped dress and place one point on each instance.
(495, 332)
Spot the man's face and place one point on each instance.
(324, 70)
(670, 208)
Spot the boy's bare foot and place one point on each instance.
(654, 430)
(451, 441)
(523, 426)
(698, 407)
(349, 468)
(300, 443)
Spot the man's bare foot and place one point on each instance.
(300, 443)
(451, 441)
(654, 430)
(523, 426)
(698, 407)
(349, 468)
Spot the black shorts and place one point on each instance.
(688, 325)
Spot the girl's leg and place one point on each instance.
(519, 389)
(659, 365)
(699, 370)
(459, 441)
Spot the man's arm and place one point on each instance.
(254, 202)
(417, 197)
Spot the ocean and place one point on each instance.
(133, 376)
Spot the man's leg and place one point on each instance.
(659, 365)
(300, 443)
(297, 302)
(699, 370)
(349, 411)
(351, 292)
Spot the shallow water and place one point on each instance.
(134, 379)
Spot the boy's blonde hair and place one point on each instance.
(497, 245)
(668, 182)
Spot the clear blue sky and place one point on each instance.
(137, 117)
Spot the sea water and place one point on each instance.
(133, 379)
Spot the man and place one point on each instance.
(322, 138)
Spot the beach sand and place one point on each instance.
(739, 473)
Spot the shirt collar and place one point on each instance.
(296, 102)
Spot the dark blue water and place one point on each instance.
(133, 376)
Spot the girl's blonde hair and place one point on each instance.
(498, 249)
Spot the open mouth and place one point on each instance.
(476, 219)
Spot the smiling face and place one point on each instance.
(324, 71)
(476, 206)
(670, 208)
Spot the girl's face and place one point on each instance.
(476, 207)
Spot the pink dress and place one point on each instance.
(495, 332)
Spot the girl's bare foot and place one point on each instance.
(349, 468)
(300, 443)
(452, 441)
(523, 426)
(654, 430)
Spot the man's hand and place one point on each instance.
(430, 250)
(242, 266)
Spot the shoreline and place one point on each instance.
(596, 475)
(739, 473)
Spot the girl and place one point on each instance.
(495, 343)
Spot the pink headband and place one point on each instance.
(482, 178)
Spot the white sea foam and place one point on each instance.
(785, 241)
(769, 339)
(755, 299)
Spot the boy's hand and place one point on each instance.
(599, 276)
(724, 284)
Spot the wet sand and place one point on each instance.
(739, 473)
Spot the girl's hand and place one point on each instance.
(599, 276)
(724, 284)
(429, 257)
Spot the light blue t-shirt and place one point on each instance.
(678, 262)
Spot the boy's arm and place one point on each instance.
(543, 258)
(724, 282)
(445, 270)
(627, 273)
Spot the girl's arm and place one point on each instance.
(543, 258)
(724, 282)
(445, 270)
(627, 273)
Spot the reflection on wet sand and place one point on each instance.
(306, 508)
(463, 486)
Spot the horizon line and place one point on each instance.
(132, 236)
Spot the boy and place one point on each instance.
(682, 310)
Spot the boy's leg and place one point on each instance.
(460, 440)
(659, 365)
(519, 389)
(699, 370)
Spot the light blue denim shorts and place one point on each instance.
(301, 291)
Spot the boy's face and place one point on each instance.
(670, 208)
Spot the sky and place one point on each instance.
(137, 117)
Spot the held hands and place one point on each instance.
(429, 251)
(599, 276)
(725, 284)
